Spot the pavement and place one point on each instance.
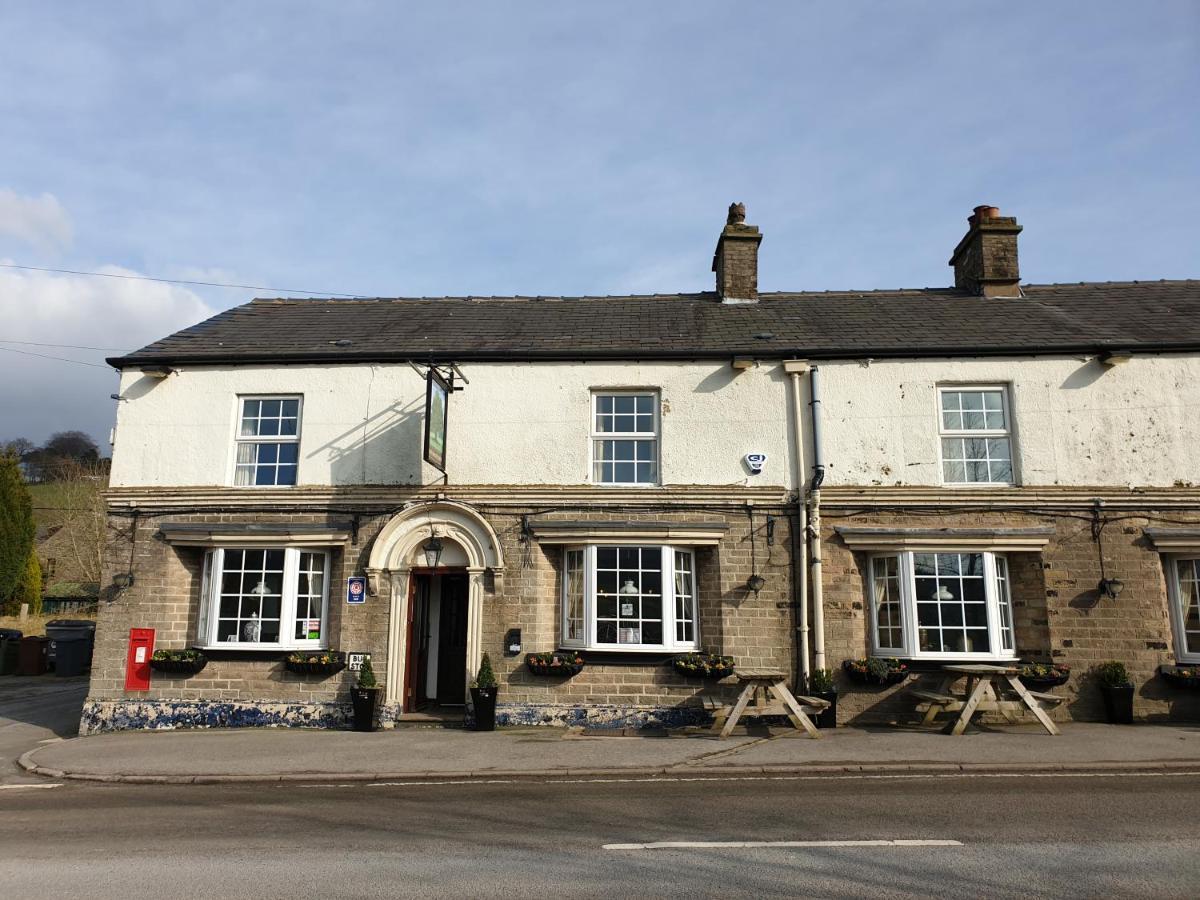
(208, 756)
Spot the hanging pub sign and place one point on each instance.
(437, 391)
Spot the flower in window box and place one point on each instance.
(1044, 675)
(876, 670)
(1181, 676)
(703, 665)
(551, 663)
(323, 662)
(178, 662)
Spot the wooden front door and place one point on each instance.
(417, 659)
(452, 642)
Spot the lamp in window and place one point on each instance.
(629, 587)
(942, 594)
(260, 589)
(432, 549)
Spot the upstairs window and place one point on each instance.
(268, 441)
(625, 438)
(975, 435)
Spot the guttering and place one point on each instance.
(814, 521)
(796, 368)
(759, 351)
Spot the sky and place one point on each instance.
(405, 149)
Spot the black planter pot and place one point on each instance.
(1041, 684)
(483, 701)
(364, 700)
(1118, 703)
(828, 717)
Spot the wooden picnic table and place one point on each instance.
(759, 686)
(986, 687)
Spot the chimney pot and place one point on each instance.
(736, 258)
(985, 260)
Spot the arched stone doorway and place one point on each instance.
(470, 548)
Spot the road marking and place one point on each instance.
(739, 845)
(27, 787)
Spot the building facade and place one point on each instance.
(992, 471)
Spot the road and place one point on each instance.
(1018, 837)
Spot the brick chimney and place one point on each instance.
(985, 260)
(736, 258)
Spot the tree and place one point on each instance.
(81, 491)
(71, 445)
(17, 447)
(29, 589)
(16, 526)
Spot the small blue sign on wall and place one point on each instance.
(356, 589)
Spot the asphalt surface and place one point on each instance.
(36, 711)
(1016, 836)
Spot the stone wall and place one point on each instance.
(252, 687)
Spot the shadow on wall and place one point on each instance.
(384, 448)
(1085, 376)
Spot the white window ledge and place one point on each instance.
(884, 538)
(692, 534)
(254, 534)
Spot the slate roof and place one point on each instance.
(1156, 315)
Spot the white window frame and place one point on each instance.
(654, 438)
(1008, 433)
(1178, 623)
(238, 440)
(210, 602)
(670, 641)
(997, 607)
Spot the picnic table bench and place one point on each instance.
(986, 686)
(765, 693)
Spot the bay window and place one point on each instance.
(941, 605)
(629, 598)
(265, 598)
(1183, 580)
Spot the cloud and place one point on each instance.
(41, 396)
(39, 221)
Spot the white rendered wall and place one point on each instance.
(1077, 422)
(513, 424)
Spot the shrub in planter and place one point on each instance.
(364, 698)
(178, 662)
(876, 670)
(1181, 676)
(1044, 675)
(483, 696)
(703, 665)
(1118, 692)
(563, 664)
(317, 662)
(820, 684)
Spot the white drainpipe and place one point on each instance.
(814, 521)
(796, 368)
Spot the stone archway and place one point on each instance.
(397, 551)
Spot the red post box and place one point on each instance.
(137, 662)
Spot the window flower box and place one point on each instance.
(554, 664)
(178, 662)
(879, 670)
(703, 665)
(1181, 676)
(1044, 675)
(321, 662)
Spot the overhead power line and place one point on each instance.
(219, 284)
(77, 362)
(64, 346)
